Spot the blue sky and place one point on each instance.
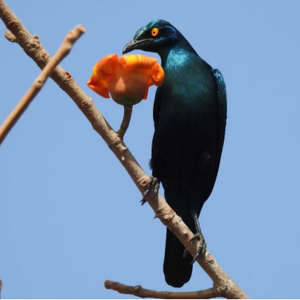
(70, 216)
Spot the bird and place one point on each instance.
(190, 112)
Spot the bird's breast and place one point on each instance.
(187, 103)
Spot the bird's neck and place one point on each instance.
(175, 57)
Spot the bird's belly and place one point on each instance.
(183, 151)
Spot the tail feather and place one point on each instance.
(178, 269)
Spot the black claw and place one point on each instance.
(199, 236)
(153, 187)
(202, 248)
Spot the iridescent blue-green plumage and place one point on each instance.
(190, 118)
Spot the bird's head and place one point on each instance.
(157, 36)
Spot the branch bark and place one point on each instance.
(139, 291)
(32, 46)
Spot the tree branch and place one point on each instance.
(32, 46)
(139, 291)
(61, 53)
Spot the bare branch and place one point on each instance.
(61, 53)
(32, 46)
(139, 291)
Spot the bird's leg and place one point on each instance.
(199, 236)
(153, 187)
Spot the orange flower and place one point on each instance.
(126, 79)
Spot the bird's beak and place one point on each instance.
(135, 44)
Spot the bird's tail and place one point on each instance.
(177, 266)
(177, 269)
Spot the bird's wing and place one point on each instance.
(156, 106)
(222, 116)
(222, 103)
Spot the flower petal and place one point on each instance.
(98, 86)
(157, 75)
(137, 61)
(103, 71)
(146, 93)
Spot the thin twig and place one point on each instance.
(62, 52)
(139, 291)
(125, 122)
(222, 282)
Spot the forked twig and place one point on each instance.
(62, 52)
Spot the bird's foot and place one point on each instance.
(202, 247)
(153, 187)
(201, 250)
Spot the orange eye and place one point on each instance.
(154, 31)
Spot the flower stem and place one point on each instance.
(125, 122)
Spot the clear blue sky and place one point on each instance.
(70, 216)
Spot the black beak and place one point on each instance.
(136, 44)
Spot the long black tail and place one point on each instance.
(177, 269)
(177, 266)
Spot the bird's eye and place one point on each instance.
(154, 31)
